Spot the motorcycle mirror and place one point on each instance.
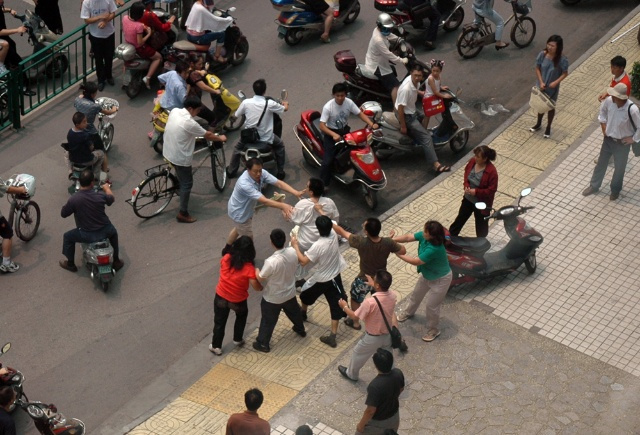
(481, 206)
(5, 348)
(283, 95)
(241, 95)
(526, 191)
(231, 9)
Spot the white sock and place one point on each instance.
(6, 261)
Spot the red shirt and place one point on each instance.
(150, 19)
(234, 284)
(247, 423)
(488, 183)
(625, 80)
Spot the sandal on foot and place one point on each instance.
(349, 322)
(443, 168)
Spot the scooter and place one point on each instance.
(451, 12)
(388, 140)
(296, 18)
(41, 37)
(355, 161)
(363, 84)
(468, 256)
(13, 378)
(98, 259)
(48, 420)
(236, 47)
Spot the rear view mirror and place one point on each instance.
(284, 95)
(5, 348)
(481, 206)
(231, 9)
(241, 95)
(526, 191)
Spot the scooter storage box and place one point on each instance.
(386, 5)
(125, 52)
(286, 5)
(345, 61)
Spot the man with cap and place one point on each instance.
(620, 119)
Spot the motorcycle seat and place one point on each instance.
(391, 119)
(471, 244)
(184, 45)
(315, 125)
(364, 72)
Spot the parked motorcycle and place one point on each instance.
(363, 84)
(41, 37)
(470, 260)
(451, 12)
(48, 420)
(296, 18)
(355, 161)
(236, 47)
(12, 378)
(388, 140)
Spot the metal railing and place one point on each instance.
(53, 69)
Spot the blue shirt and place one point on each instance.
(91, 109)
(175, 90)
(245, 196)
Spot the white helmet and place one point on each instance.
(385, 20)
(27, 181)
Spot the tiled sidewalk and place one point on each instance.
(583, 294)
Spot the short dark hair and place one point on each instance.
(619, 61)
(192, 102)
(383, 360)
(78, 117)
(88, 89)
(278, 238)
(253, 161)
(384, 279)
(7, 395)
(436, 231)
(253, 399)
(181, 66)
(416, 67)
(136, 11)
(86, 178)
(487, 153)
(324, 225)
(260, 87)
(304, 430)
(372, 226)
(339, 88)
(316, 187)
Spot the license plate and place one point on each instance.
(104, 269)
(282, 30)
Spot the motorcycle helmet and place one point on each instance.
(385, 23)
(27, 181)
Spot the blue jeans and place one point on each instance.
(207, 38)
(78, 235)
(491, 15)
(620, 152)
(185, 177)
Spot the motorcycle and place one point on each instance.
(355, 161)
(48, 420)
(98, 259)
(136, 67)
(451, 12)
(41, 37)
(470, 260)
(296, 18)
(388, 140)
(12, 378)
(363, 84)
(236, 48)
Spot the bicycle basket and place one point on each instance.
(523, 7)
(156, 169)
(108, 103)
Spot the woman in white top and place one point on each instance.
(203, 28)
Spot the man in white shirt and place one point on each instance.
(180, 136)
(325, 279)
(305, 213)
(278, 292)
(99, 15)
(253, 108)
(410, 124)
(334, 121)
(620, 131)
(378, 55)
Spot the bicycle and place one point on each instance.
(475, 36)
(105, 128)
(24, 212)
(154, 193)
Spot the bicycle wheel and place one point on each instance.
(468, 42)
(153, 195)
(218, 166)
(523, 32)
(28, 221)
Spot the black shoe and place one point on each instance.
(27, 92)
(261, 347)
(68, 266)
(429, 45)
(343, 372)
(230, 174)
(535, 128)
(329, 340)
(111, 81)
(302, 333)
(101, 86)
(280, 175)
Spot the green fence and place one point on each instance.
(52, 70)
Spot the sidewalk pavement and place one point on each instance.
(552, 352)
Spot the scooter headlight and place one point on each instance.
(507, 211)
(15, 378)
(535, 238)
(367, 158)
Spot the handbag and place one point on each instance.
(397, 342)
(432, 105)
(540, 102)
(635, 147)
(250, 134)
(157, 40)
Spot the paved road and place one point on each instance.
(89, 351)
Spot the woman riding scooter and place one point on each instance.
(203, 28)
(137, 34)
(197, 81)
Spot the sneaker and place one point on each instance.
(547, 133)
(68, 266)
(10, 268)
(329, 340)
(146, 80)
(403, 316)
(431, 335)
(238, 343)
(535, 128)
(261, 347)
(302, 333)
(215, 350)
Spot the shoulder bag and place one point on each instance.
(397, 342)
(540, 102)
(250, 134)
(635, 147)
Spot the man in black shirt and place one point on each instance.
(7, 397)
(80, 148)
(92, 223)
(383, 406)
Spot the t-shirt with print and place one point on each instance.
(93, 8)
(327, 260)
(332, 113)
(383, 393)
(373, 255)
(436, 263)
(233, 284)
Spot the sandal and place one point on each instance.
(349, 322)
(443, 168)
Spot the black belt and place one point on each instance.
(375, 335)
(615, 140)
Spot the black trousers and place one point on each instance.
(467, 208)
(270, 315)
(221, 309)
(103, 50)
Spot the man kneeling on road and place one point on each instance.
(92, 223)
